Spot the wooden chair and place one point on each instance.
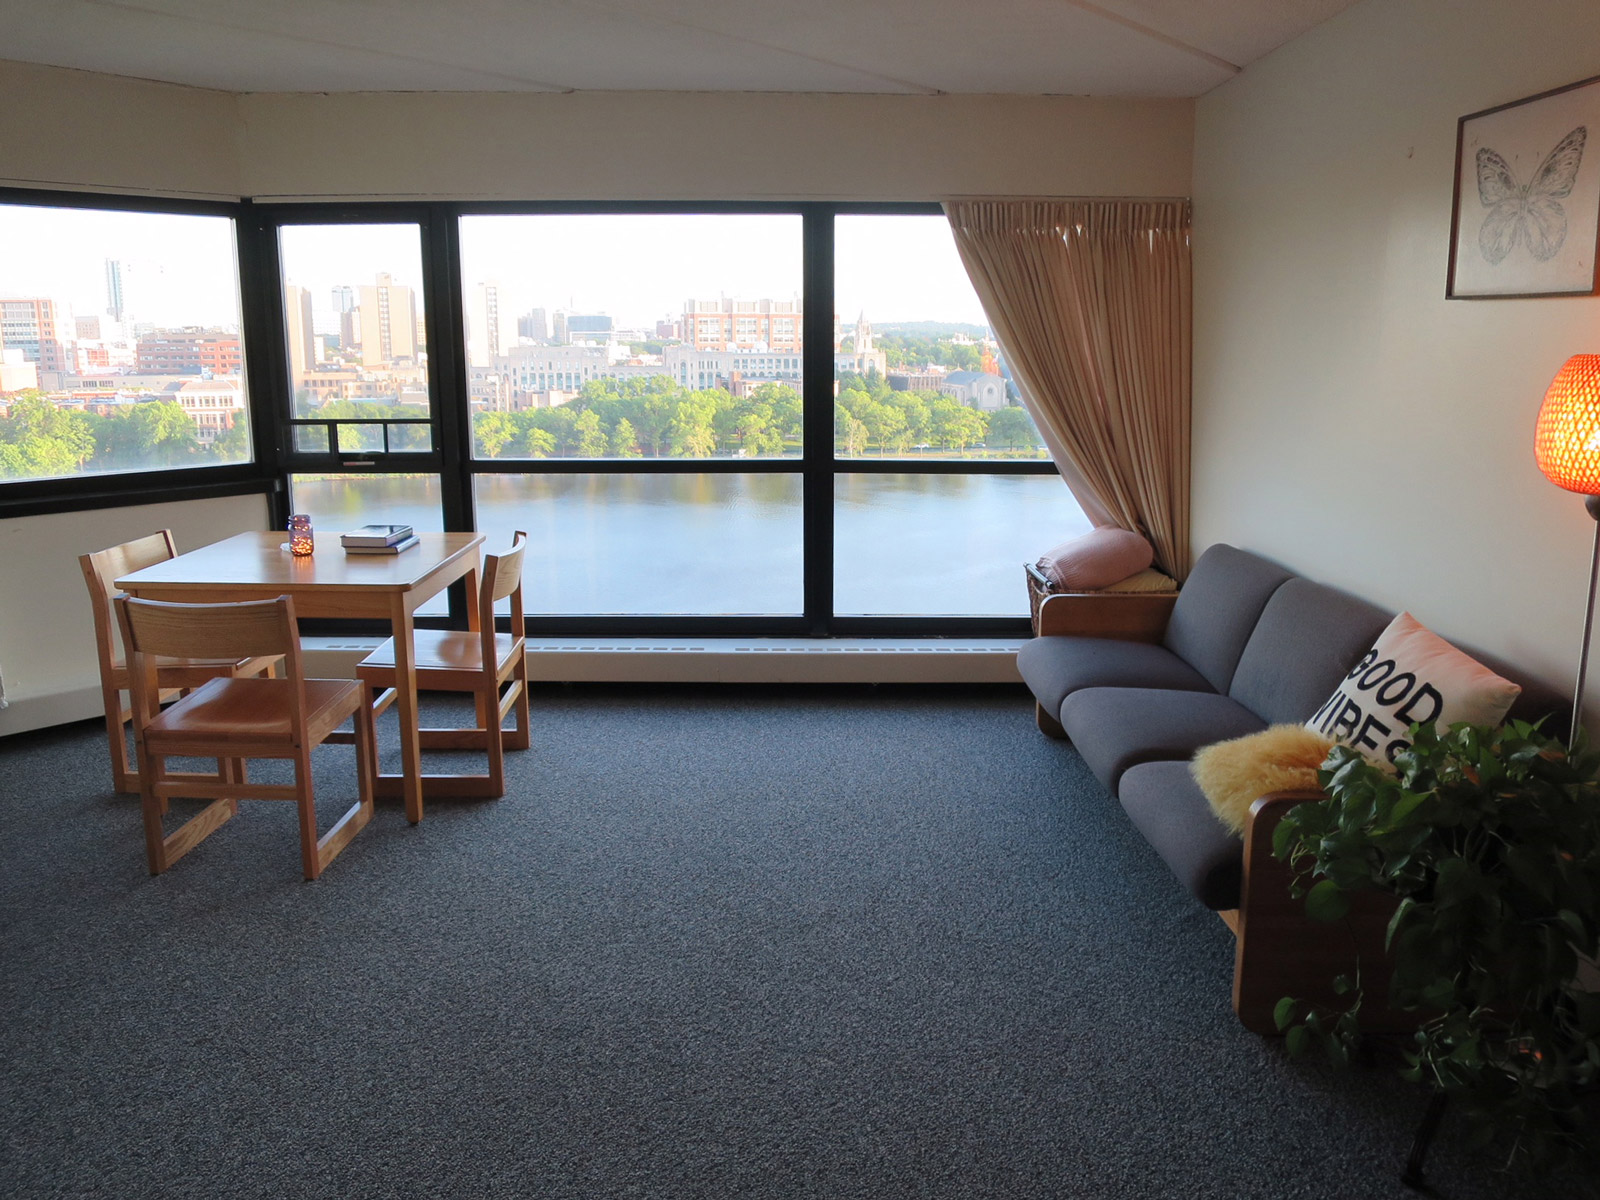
(100, 570)
(482, 662)
(233, 720)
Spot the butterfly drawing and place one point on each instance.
(1532, 212)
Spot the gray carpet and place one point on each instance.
(724, 942)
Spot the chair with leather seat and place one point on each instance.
(492, 666)
(100, 570)
(234, 720)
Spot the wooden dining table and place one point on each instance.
(331, 583)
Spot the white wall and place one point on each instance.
(697, 146)
(47, 658)
(76, 129)
(1349, 421)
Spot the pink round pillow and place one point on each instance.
(1096, 560)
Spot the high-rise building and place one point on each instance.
(535, 326)
(487, 329)
(114, 302)
(344, 298)
(297, 324)
(732, 324)
(388, 323)
(37, 327)
(589, 327)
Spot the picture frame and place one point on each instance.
(1525, 219)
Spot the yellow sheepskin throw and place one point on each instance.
(1235, 774)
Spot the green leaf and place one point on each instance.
(1326, 902)
(1342, 985)
(1406, 805)
(1397, 920)
(1574, 923)
(1298, 1041)
(1283, 1013)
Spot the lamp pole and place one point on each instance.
(1592, 503)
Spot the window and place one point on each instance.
(640, 376)
(120, 347)
(616, 376)
(935, 457)
(355, 336)
(732, 418)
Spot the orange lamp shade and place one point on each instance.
(1566, 440)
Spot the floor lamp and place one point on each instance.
(1567, 444)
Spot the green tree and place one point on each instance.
(539, 443)
(690, 433)
(885, 424)
(49, 440)
(954, 425)
(915, 411)
(154, 433)
(787, 411)
(849, 434)
(492, 432)
(561, 424)
(233, 443)
(591, 439)
(624, 441)
(1012, 428)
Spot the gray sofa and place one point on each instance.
(1139, 687)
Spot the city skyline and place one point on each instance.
(180, 270)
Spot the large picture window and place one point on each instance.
(756, 418)
(120, 344)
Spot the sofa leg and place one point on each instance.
(1048, 725)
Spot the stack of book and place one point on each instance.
(378, 539)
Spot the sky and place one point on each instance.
(176, 269)
(639, 268)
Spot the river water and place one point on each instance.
(715, 544)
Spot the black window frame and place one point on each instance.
(35, 497)
(257, 229)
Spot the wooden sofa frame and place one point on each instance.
(1279, 950)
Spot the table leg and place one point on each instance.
(405, 683)
(471, 581)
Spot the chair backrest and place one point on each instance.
(243, 629)
(502, 577)
(102, 568)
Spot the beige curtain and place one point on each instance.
(1090, 301)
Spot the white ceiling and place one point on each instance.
(915, 47)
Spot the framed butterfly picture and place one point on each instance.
(1527, 200)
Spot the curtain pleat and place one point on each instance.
(1090, 301)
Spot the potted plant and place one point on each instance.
(1489, 841)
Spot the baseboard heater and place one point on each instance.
(735, 660)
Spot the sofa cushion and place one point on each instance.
(1217, 609)
(1115, 727)
(1411, 676)
(1308, 638)
(1097, 559)
(1055, 667)
(1167, 805)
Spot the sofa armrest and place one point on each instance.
(1130, 616)
(1282, 952)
